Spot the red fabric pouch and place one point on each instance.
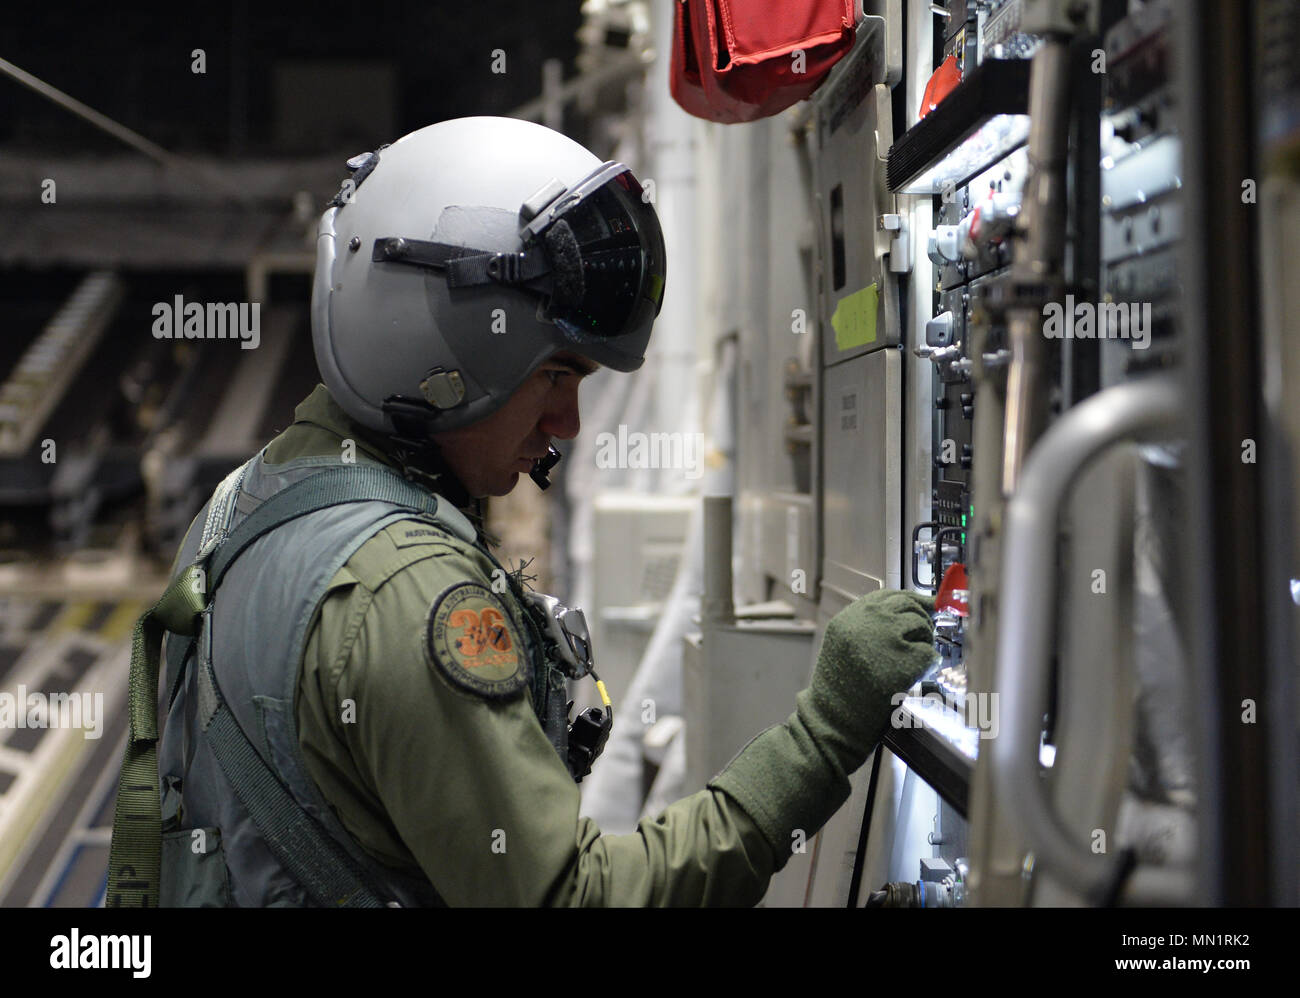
(739, 60)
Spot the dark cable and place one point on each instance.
(859, 860)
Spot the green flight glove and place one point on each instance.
(794, 776)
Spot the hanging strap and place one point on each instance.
(314, 859)
(135, 857)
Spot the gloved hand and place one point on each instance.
(795, 775)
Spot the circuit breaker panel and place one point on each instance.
(1004, 407)
(1035, 175)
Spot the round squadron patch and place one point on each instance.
(473, 643)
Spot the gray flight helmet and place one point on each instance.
(442, 336)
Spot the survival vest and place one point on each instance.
(224, 811)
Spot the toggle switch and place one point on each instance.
(939, 330)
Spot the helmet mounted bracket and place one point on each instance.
(545, 196)
(443, 389)
(464, 265)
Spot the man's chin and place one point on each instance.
(498, 487)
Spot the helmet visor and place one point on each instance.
(608, 268)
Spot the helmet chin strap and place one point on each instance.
(413, 423)
(419, 454)
(425, 461)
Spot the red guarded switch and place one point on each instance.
(954, 591)
(942, 83)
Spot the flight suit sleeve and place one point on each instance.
(476, 792)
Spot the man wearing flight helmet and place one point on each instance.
(371, 710)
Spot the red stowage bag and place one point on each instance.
(739, 60)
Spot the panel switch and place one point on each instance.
(939, 330)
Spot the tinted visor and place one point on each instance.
(608, 268)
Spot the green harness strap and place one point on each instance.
(313, 858)
(135, 857)
(328, 488)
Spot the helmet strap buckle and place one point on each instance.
(506, 268)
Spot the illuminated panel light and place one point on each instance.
(996, 139)
(970, 130)
(1047, 755)
(946, 722)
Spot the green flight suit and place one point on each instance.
(429, 775)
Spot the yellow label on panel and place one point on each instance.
(854, 320)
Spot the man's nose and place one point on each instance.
(561, 419)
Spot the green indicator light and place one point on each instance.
(963, 538)
(963, 519)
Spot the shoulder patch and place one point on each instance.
(405, 533)
(472, 641)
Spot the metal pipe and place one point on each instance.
(120, 132)
(1039, 249)
(1040, 245)
(123, 134)
(1026, 403)
(1026, 620)
(717, 606)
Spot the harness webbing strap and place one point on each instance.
(328, 488)
(135, 856)
(310, 856)
(320, 865)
